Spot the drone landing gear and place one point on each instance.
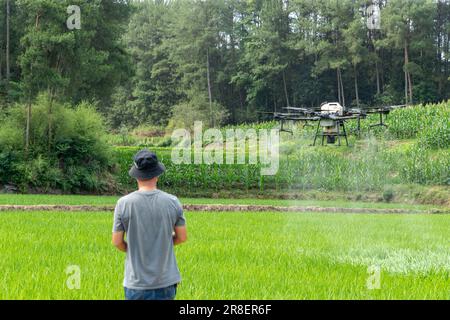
(357, 131)
(307, 124)
(331, 136)
(282, 129)
(381, 123)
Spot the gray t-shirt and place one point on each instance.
(148, 218)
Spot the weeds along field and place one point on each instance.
(237, 256)
(76, 200)
(415, 149)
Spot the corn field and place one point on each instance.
(413, 150)
(307, 169)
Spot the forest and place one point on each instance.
(81, 79)
(165, 63)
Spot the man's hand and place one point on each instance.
(118, 240)
(180, 235)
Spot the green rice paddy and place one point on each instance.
(236, 256)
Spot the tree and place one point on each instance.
(331, 49)
(47, 56)
(71, 65)
(356, 45)
(403, 22)
(155, 84)
(195, 41)
(264, 63)
(239, 55)
(8, 15)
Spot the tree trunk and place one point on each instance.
(8, 14)
(30, 94)
(338, 86)
(1, 61)
(381, 72)
(447, 50)
(378, 76)
(267, 102)
(27, 133)
(233, 59)
(50, 119)
(406, 77)
(356, 86)
(274, 102)
(285, 90)
(241, 104)
(440, 36)
(408, 88)
(208, 76)
(52, 92)
(341, 87)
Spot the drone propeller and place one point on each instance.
(397, 106)
(383, 108)
(303, 110)
(296, 118)
(266, 112)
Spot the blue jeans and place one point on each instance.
(168, 293)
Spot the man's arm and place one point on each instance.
(118, 240)
(180, 235)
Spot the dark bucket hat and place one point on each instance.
(146, 166)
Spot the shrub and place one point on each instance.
(11, 136)
(388, 195)
(73, 158)
(9, 172)
(196, 109)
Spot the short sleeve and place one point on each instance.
(118, 224)
(181, 220)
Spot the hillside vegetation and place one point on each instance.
(413, 150)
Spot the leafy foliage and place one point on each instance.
(78, 159)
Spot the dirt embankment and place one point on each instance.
(225, 208)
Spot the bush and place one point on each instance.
(10, 137)
(9, 172)
(73, 158)
(197, 109)
(388, 195)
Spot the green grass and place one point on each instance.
(315, 203)
(236, 256)
(20, 199)
(42, 199)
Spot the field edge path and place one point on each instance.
(227, 208)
